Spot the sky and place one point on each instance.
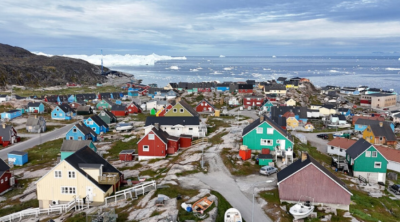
(203, 27)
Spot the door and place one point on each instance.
(89, 193)
(282, 144)
(380, 177)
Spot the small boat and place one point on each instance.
(202, 205)
(301, 210)
(232, 215)
(124, 126)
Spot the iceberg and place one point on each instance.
(393, 69)
(120, 60)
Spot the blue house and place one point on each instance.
(35, 107)
(71, 99)
(11, 114)
(222, 87)
(17, 158)
(118, 102)
(344, 111)
(81, 132)
(96, 124)
(63, 112)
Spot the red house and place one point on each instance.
(312, 180)
(8, 135)
(119, 110)
(7, 181)
(157, 144)
(204, 106)
(250, 101)
(245, 88)
(162, 113)
(134, 108)
(271, 97)
(126, 155)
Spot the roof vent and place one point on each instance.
(303, 156)
(381, 124)
(261, 118)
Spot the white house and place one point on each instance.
(393, 157)
(4, 98)
(338, 119)
(176, 126)
(338, 146)
(312, 113)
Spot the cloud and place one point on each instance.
(197, 27)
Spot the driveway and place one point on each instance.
(318, 142)
(249, 113)
(220, 179)
(36, 139)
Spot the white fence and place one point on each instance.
(132, 192)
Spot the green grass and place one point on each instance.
(238, 170)
(223, 205)
(17, 206)
(140, 117)
(77, 217)
(217, 122)
(48, 129)
(312, 151)
(118, 146)
(217, 138)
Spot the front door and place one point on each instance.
(380, 177)
(89, 193)
(282, 144)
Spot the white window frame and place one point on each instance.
(151, 137)
(181, 110)
(146, 148)
(74, 130)
(68, 190)
(259, 130)
(374, 154)
(6, 179)
(380, 165)
(175, 110)
(270, 131)
(367, 153)
(57, 174)
(266, 142)
(71, 174)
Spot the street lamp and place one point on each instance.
(254, 186)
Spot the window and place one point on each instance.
(57, 174)
(332, 147)
(374, 154)
(71, 138)
(266, 142)
(71, 174)
(181, 110)
(172, 128)
(58, 109)
(259, 130)
(55, 114)
(79, 138)
(2, 181)
(151, 136)
(74, 130)
(94, 129)
(380, 138)
(377, 165)
(68, 190)
(270, 131)
(6, 179)
(341, 150)
(367, 153)
(175, 110)
(60, 114)
(190, 128)
(146, 148)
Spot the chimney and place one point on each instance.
(303, 156)
(262, 118)
(4, 125)
(381, 124)
(157, 126)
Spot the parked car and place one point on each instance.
(323, 136)
(268, 170)
(395, 188)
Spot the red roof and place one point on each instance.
(341, 142)
(355, 118)
(288, 114)
(389, 153)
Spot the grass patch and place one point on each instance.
(48, 129)
(236, 169)
(217, 139)
(77, 217)
(19, 206)
(216, 122)
(312, 151)
(140, 117)
(223, 205)
(118, 146)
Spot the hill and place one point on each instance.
(21, 67)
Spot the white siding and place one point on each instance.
(395, 166)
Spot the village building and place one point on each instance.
(104, 104)
(277, 89)
(11, 114)
(392, 155)
(84, 110)
(378, 100)
(245, 88)
(107, 116)
(295, 183)
(205, 106)
(83, 175)
(327, 110)
(81, 132)
(365, 160)
(119, 110)
(8, 135)
(378, 132)
(181, 108)
(35, 107)
(36, 124)
(253, 101)
(63, 112)
(4, 98)
(69, 147)
(134, 108)
(355, 118)
(291, 121)
(157, 144)
(176, 126)
(7, 178)
(290, 102)
(338, 146)
(96, 124)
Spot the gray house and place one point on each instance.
(36, 124)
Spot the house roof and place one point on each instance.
(207, 103)
(161, 134)
(34, 104)
(281, 78)
(385, 130)
(171, 121)
(257, 122)
(65, 107)
(84, 108)
(188, 108)
(107, 100)
(88, 156)
(173, 85)
(3, 167)
(358, 148)
(84, 129)
(328, 106)
(297, 110)
(341, 142)
(19, 153)
(288, 114)
(13, 111)
(110, 114)
(299, 164)
(343, 109)
(135, 104)
(280, 120)
(5, 131)
(274, 87)
(397, 115)
(74, 145)
(33, 121)
(389, 153)
(99, 121)
(118, 107)
(356, 118)
(340, 117)
(250, 81)
(245, 86)
(127, 152)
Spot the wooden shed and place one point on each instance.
(185, 141)
(306, 179)
(127, 155)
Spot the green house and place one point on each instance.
(365, 160)
(104, 104)
(265, 159)
(107, 116)
(181, 108)
(71, 146)
(267, 106)
(264, 133)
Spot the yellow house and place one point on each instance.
(290, 102)
(181, 108)
(291, 121)
(379, 132)
(368, 135)
(83, 175)
(309, 127)
(327, 110)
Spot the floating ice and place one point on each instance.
(393, 69)
(222, 56)
(120, 60)
(333, 70)
(228, 68)
(173, 67)
(216, 73)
